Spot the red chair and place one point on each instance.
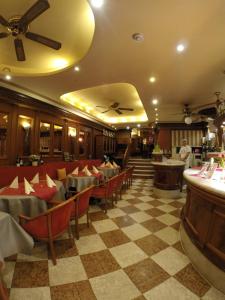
(128, 178)
(120, 181)
(106, 191)
(3, 291)
(81, 207)
(50, 225)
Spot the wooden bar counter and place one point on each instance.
(203, 226)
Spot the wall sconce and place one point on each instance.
(80, 139)
(26, 125)
(72, 132)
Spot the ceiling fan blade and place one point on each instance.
(3, 21)
(118, 111)
(3, 35)
(34, 11)
(105, 111)
(123, 108)
(19, 50)
(43, 40)
(114, 105)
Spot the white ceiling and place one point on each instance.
(189, 77)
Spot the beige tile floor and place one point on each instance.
(132, 252)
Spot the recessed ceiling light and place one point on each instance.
(156, 108)
(8, 77)
(156, 114)
(156, 119)
(138, 37)
(155, 101)
(152, 79)
(180, 48)
(77, 69)
(138, 125)
(97, 3)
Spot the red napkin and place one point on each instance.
(42, 191)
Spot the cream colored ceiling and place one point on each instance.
(191, 77)
(66, 21)
(125, 94)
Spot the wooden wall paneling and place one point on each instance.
(8, 157)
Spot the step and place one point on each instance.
(143, 167)
(143, 176)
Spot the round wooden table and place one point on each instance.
(168, 178)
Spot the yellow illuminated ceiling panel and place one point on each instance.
(72, 25)
(113, 103)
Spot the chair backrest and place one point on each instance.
(112, 185)
(53, 222)
(82, 201)
(121, 178)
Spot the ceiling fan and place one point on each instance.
(189, 116)
(115, 106)
(20, 25)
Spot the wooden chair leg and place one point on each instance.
(52, 250)
(87, 218)
(77, 228)
(70, 236)
(105, 204)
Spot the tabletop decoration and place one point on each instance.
(34, 158)
(102, 165)
(87, 172)
(50, 182)
(115, 165)
(27, 187)
(15, 183)
(35, 179)
(75, 171)
(95, 170)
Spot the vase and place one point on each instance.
(34, 163)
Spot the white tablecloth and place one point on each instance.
(109, 172)
(81, 182)
(13, 239)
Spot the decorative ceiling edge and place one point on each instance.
(42, 98)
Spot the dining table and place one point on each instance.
(13, 239)
(16, 202)
(81, 181)
(109, 172)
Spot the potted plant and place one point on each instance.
(34, 158)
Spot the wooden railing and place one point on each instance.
(126, 155)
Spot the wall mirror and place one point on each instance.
(24, 134)
(72, 133)
(3, 134)
(58, 133)
(45, 138)
(81, 141)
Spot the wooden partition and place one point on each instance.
(29, 126)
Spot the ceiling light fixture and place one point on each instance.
(128, 127)
(180, 48)
(7, 73)
(156, 108)
(138, 37)
(155, 101)
(97, 3)
(188, 120)
(138, 125)
(77, 69)
(152, 79)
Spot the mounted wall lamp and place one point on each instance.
(72, 132)
(26, 125)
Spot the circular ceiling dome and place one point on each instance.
(68, 22)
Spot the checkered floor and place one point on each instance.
(133, 252)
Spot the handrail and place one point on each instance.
(126, 155)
